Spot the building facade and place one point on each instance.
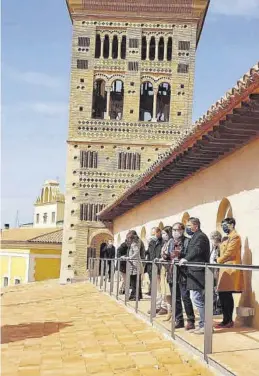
(32, 252)
(131, 98)
(49, 206)
(211, 175)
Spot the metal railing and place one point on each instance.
(98, 274)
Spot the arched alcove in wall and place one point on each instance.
(224, 211)
(185, 218)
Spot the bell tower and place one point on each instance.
(131, 98)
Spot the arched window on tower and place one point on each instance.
(115, 47)
(152, 48)
(116, 100)
(146, 101)
(106, 47)
(97, 46)
(144, 48)
(99, 100)
(169, 48)
(163, 102)
(123, 47)
(161, 48)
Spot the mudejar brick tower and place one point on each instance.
(131, 96)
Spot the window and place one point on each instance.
(53, 217)
(83, 41)
(169, 49)
(88, 212)
(82, 64)
(133, 43)
(133, 66)
(129, 161)
(37, 218)
(17, 281)
(45, 217)
(88, 159)
(6, 281)
(183, 68)
(123, 47)
(144, 48)
(183, 45)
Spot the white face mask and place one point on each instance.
(177, 234)
(165, 237)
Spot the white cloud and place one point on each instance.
(34, 78)
(245, 8)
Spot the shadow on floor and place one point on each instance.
(14, 333)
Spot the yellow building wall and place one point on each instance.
(4, 260)
(46, 268)
(18, 269)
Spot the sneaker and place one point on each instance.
(179, 325)
(190, 326)
(199, 331)
(162, 311)
(157, 310)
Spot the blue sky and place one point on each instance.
(36, 53)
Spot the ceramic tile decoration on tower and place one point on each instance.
(131, 99)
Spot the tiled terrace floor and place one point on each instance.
(75, 330)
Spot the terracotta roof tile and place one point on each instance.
(52, 237)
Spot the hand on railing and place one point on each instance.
(182, 261)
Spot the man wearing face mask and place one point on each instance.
(177, 250)
(198, 250)
(230, 280)
(153, 252)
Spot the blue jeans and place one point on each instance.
(198, 300)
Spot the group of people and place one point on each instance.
(181, 245)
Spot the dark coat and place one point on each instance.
(198, 250)
(122, 251)
(109, 252)
(153, 252)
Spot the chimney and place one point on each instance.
(6, 226)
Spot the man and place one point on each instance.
(109, 253)
(230, 280)
(177, 250)
(198, 250)
(153, 252)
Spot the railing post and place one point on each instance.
(94, 263)
(174, 300)
(102, 271)
(106, 275)
(208, 327)
(137, 287)
(112, 276)
(118, 279)
(127, 284)
(153, 291)
(90, 269)
(97, 271)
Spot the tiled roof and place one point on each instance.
(35, 235)
(234, 98)
(52, 237)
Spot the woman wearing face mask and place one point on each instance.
(230, 280)
(177, 250)
(165, 289)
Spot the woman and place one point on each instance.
(134, 259)
(165, 289)
(122, 251)
(230, 280)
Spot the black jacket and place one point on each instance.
(198, 250)
(122, 251)
(153, 252)
(109, 252)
